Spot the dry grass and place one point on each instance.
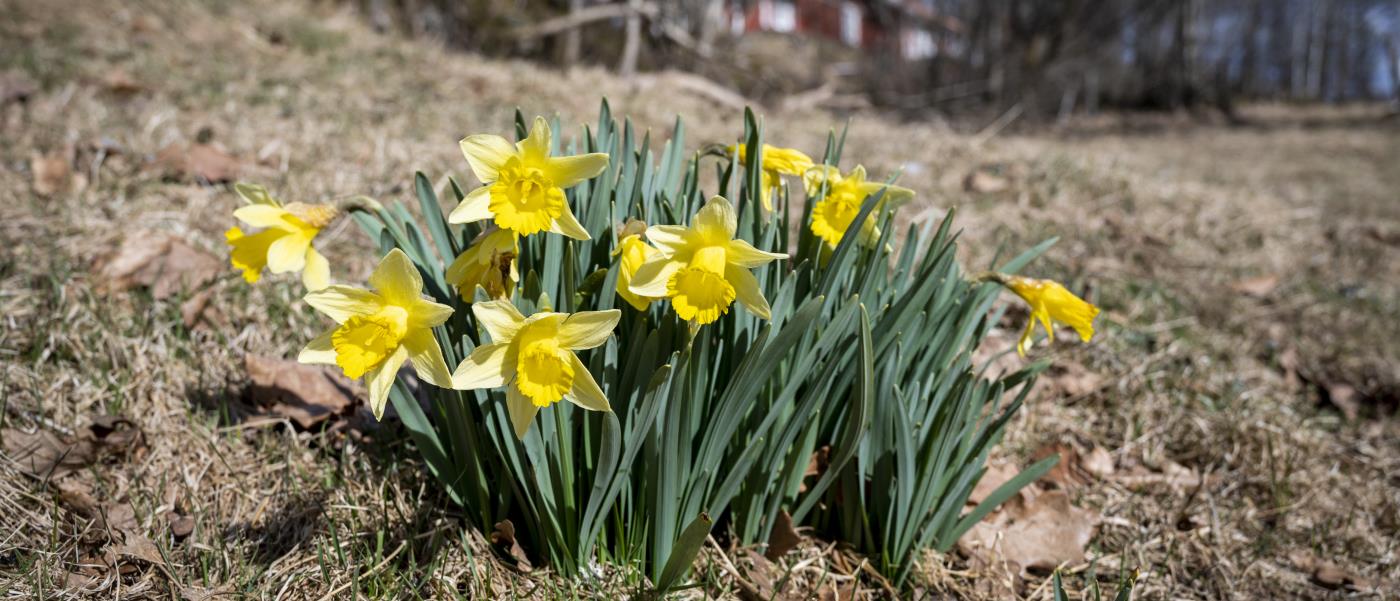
(1159, 220)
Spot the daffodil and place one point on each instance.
(490, 263)
(284, 244)
(632, 252)
(524, 189)
(1049, 302)
(777, 162)
(378, 330)
(703, 268)
(533, 358)
(833, 214)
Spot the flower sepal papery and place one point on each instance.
(534, 359)
(379, 330)
(703, 268)
(524, 186)
(283, 244)
(1049, 302)
(840, 198)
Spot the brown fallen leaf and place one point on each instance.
(17, 86)
(197, 310)
(783, 538)
(1257, 287)
(503, 538)
(1098, 461)
(1344, 397)
(984, 181)
(46, 455)
(1067, 474)
(1073, 380)
(198, 162)
(998, 473)
(816, 466)
(182, 527)
(1172, 475)
(305, 394)
(1327, 574)
(53, 173)
(1036, 534)
(121, 83)
(162, 262)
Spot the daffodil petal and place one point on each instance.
(1044, 316)
(381, 378)
(743, 254)
(566, 224)
(428, 314)
(717, 220)
(287, 253)
(426, 355)
(1025, 337)
(746, 290)
(486, 367)
(343, 302)
(396, 279)
(652, 276)
(500, 318)
(669, 239)
(522, 411)
(319, 351)
(535, 147)
(486, 153)
(261, 215)
(587, 329)
(317, 273)
(585, 391)
(569, 171)
(475, 207)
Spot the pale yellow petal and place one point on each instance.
(426, 355)
(486, 367)
(381, 378)
(746, 291)
(424, 313)
(587, 329)
(317, 274)
(585, 391)
(319, 351)
(669, 239)
(500, 318)
(288, 253)
(396, 279)
(487, 153)
(566, 224)
(716, 220)
(522, 411)
(475, 207)
(262, 215)
(652, 276)
(568, 171)
(743, 254)
(535, 147)
(343, 302)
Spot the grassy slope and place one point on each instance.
(1157, 224)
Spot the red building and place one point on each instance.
(912, 28)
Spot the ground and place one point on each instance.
(1244, 380)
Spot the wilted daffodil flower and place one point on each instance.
(777, 162)
(534, 359)
(833, 214)
(489, 262)
(524, 188)
(381, 329)
(632, 252)
(1049, 302)
(284, 244)
(703, 268)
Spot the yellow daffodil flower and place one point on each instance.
(284, 244)
(524, 188)
(381, 329)
(533, 357)
(490, 263)
(1049, 302)
(703, 268)
(632, 252)
(833, 214)
(777, 162)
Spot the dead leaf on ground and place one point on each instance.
(118, 81)
(198, 162)
(1098, 461)
(53, 173)
(197, 310)
(181, 527)
(1172, 475)
(1328, 574)
(1036, 534)
(46, 455)
(997, 474)
(503, 538)
(783, 538)
(1257, 287)
(844, 591)
(816, 466)
(1344, 397)
(162, 262)
(17, 86)
(305, 394)
(1074, 380)
(984, 181)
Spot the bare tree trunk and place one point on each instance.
(627, 66)
(573, 39)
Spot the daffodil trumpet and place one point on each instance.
(284, 243)
(1049, 302)
(703, 268)
(524, 185)
(834, 213)
(378, 330)
(533, 358)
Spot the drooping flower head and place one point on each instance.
(1049, 302)
(524, 189)
(284, 244)
(380, 329)
(703, 268)
(833, 214)
(533, 357)
(632, 252)
(489, 262)
(777, 162)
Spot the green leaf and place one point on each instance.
(684, 552)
